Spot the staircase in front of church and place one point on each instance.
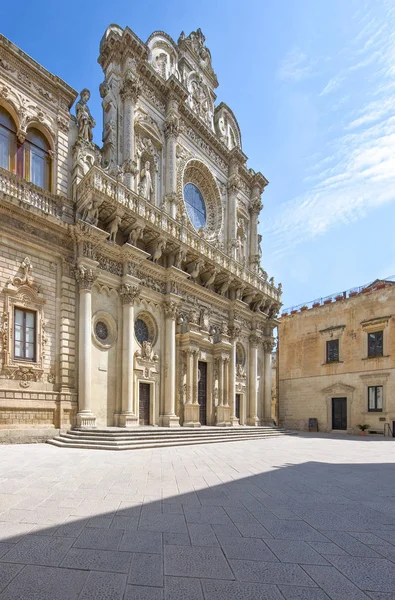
(112, 438)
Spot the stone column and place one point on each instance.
(191, 407)
(252, 380)
(268, 347)
(255, 208)
(171, 134)
(232, 378)
(169, 418)
(223, 409)
(86, 276)
(130, 92)
(129, 294)
(233, 189)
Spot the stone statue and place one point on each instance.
(85, 121)
(135, 235)
(145, 186)
(91, 213)
(113, 228)
(180, 258)
(158, 251)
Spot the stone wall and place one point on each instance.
(307, 382)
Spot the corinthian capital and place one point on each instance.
(131, 88)
(170, 309)
(256, 205)
(85, 276)
(129, 293)
(254, 341)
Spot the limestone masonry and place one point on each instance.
(131, 290)
(336, 362)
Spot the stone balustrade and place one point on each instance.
(17, 188)
(96, 183)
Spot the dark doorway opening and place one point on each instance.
(339, 413)
(237, 406)
(144, 402)
(202, 392)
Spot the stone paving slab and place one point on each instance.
(248, 520)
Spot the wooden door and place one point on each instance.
(339, 413)
(144, 403)
(202, 392)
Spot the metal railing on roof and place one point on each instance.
(332, 297)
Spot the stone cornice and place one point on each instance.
(55, 83)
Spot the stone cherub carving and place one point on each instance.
(145, 186)
(85, 121)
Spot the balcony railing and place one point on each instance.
(98, 181)
(14, 186)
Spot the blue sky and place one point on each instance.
(313, 87)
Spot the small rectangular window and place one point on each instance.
(375, 344)
(25, 334)
(375, 398)
(332, 351)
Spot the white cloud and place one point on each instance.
(354, 172)
(296, 66)
(332, 85)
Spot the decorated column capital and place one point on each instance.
(86, 277)
(254, 341)
(129, 293)
(170, 309)
(268, 345)
(172, 126)
(131, 88)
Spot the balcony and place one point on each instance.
(26, 194)
(114, 196)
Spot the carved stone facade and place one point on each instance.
(138, 262)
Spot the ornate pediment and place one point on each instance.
(339, 388)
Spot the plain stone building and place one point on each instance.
(336, 362)
(131, 290)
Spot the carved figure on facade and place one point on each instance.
(129, 293)
(27, 277)
(145, 186)
(180, 258)
(196, 269)
(205, 319)
(195, 41)
(199, 99)
(208, 283)
(146, 353)
(240, 372)
(170, 309)
(160, 246)
(136, 234)
(90, 214)
(113, 228)
(85, 121)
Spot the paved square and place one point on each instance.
(291, 518)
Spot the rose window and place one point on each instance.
(101, 330)
(141, 331)
(195, 204)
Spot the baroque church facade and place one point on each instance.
(131, 289)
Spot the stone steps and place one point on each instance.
(121, 439)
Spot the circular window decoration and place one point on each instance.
(195, 204)
(197, 187)
(101, 330)
(104, 329)
(145, 328)
(141, 331)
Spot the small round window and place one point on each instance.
(195, 205)
(141, 331)
(101, 330)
